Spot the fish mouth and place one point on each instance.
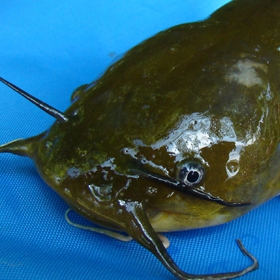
(181, 186)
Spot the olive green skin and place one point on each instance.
(207, 92)
(190, 68)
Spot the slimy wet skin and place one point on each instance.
(181, 133)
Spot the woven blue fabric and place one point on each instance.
(49, 48)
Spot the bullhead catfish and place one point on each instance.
(181, 133)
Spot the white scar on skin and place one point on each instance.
(244, 73)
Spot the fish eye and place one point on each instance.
(191, 173)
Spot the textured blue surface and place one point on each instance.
(49, 48)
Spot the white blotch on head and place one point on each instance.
(244, 73)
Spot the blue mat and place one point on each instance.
(49, 48)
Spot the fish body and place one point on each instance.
(180, 133)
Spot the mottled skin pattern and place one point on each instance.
(205, 92)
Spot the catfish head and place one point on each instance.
(181, 133)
